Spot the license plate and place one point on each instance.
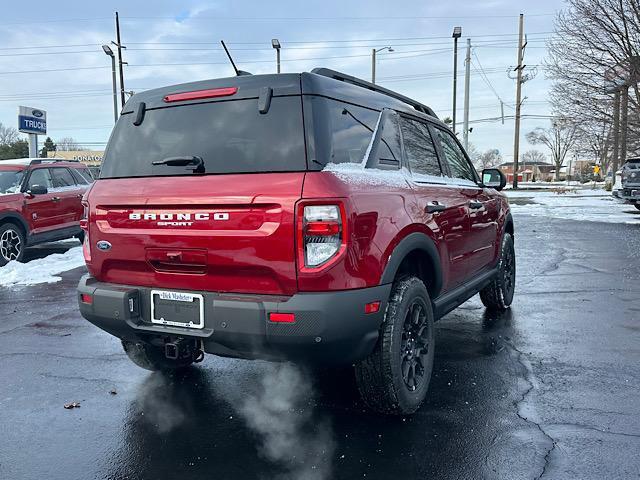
(178, 309)
(634, 193)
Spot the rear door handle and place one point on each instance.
(475, 205)
(55, 199)
(434, 207)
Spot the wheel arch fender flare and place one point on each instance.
(15, 218)
(414, 241)
(508, 224)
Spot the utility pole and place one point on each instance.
(120, 62)
(516, 140)
(616, 133)
(467, 76)
(457, 33)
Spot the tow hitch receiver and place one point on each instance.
(181, 348)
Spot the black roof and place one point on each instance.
(320, 81)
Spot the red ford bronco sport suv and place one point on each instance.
(310, 217)
(40, 201)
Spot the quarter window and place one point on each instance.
(81, 176)
(420, 150)
(342, 132)
(455, 157)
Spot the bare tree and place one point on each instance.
(473, 153)
(67, 144)
(559, 138)
(490, 158)
(533, 156)
(591, 38)
(8, 135)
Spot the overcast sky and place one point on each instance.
(53, 60)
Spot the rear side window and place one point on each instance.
(342, 131)
(40, 176)
(419, 148)
(455, 157)
(230, 137)
(62, 178)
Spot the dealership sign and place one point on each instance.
(32, 120)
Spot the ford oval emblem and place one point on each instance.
(103, 245)
(37, 113)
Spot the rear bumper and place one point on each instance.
(629, 194)
(329, 328)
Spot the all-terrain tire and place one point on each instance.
(152, 358)
(498, 295)
(382, 378)
(12, 243)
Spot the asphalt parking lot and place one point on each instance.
(548, 389)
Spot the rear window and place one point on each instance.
(230, 137)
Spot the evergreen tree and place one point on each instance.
(48, 146)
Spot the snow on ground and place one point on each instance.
(42, 270)
(582, 205)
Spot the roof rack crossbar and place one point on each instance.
(343, 77)
(50, 160)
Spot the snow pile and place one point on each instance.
(581, 205)
(42, 270)
(355, 174)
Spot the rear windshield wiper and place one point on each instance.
(195, 163)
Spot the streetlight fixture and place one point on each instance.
(457, 33)
(373, 61)
(107, 50)
(275, 43)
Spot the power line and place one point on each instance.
(316, 18)
(366, 42)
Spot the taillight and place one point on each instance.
(84, 225)
(322, 234)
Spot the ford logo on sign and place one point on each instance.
(37, 113)
(103, 245)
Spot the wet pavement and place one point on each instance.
(549, 389)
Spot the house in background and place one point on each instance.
(528, 171)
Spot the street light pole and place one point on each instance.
(457, 33)
(373, 61)
(109, 52)
(275, 43)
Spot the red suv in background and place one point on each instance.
(40, 201)
(313, 217)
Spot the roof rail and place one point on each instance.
(343, 77)
(51, 160)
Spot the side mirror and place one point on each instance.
(38, 190)
(493, 178)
